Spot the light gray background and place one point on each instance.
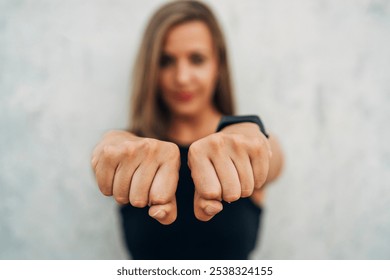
(318, 72)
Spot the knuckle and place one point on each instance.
(237, 142)
(246, 192)
(232, 197)
(173, 152)
(260, 180)
(94, 161)
(149, 144)
(139, 203)
(194, 149)
(216, 142)
(122, 200)
(128, 149)
(104, 187)
(108, 151)
(211, 195)
(107, 191)
(257, 148)
(159, 200)
(247, 189)
(195, 152)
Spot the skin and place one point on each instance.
(233, 163)
(188, 71)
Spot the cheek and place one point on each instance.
(164, 80)
(209, 79)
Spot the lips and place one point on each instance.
(184, 96)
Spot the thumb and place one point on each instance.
(206, 209)
(166, 214)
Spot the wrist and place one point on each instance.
(227, 121)
(245, 128)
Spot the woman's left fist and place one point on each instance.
(228, 165)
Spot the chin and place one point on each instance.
(186, 111)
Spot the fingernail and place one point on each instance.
(160, 214)
(211, 211)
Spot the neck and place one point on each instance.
(185, 130)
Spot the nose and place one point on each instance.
(183, 73)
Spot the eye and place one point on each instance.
(166, 60)
(197, 59)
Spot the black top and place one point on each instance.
(231, 234)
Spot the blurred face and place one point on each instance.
(188, 69)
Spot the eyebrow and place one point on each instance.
(198, 50)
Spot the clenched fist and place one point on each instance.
(226, 166)
(139, 171)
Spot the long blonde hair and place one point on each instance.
(149, 115)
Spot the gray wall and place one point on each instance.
(318, 72)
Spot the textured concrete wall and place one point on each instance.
(318, 72)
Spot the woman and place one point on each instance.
(203, 187)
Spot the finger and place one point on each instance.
(228, 177)
(141, 183)
(122, 181)
(162, 195)
(243, 166)
(260, 165)
(166, 214)
(205, 178)
(105, 170)
(94, 162)
(205, 209)
(208, 188)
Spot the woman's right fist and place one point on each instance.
(139, 171)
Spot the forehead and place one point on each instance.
(192, 35)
